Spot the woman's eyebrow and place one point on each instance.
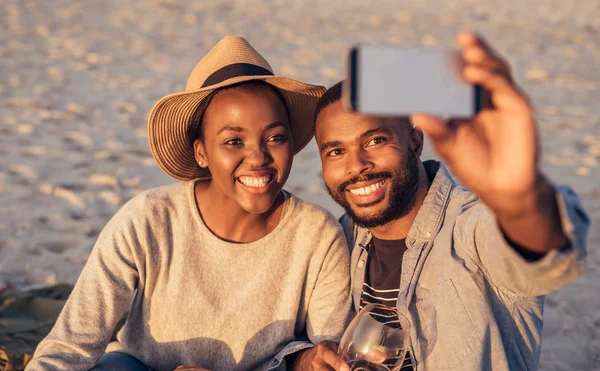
(275, 124)
(237, 129)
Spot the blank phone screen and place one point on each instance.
(398, 82)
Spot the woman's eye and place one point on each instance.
(234, 142)
(376, 141)
(335, 152)
(279, 138)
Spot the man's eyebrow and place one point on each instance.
(328, 145)
(379, 130)
(237, 129)
(366, 134)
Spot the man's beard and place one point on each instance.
(402, 199)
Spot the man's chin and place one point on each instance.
(369, 207)
(368, 221)
(367, 216)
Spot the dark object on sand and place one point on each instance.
(26, 317)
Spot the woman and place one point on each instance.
(224, 270)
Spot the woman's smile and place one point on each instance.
(258, 183)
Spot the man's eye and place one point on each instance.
(375, 141)
(335, 152)
(279, 138)
(234, 142)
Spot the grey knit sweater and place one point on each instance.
(194, 299)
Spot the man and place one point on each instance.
(468, 266)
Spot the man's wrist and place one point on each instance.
(534, 224)
(540, 198)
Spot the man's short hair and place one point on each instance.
(332, 95)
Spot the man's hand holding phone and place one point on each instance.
(495, 153)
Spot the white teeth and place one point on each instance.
(255, 182)
(365, 191)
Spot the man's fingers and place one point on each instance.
(328, 352)
(479, 57)
(477, 52)
(468, 39)
(486, 78)
(433, 126)
(334, 360)
(503, 93)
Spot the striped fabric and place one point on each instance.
(382, 284)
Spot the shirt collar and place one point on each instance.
(431, 212)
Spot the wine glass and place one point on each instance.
(376, 340)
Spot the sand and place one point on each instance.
(79, 77)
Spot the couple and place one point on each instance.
(227, 271)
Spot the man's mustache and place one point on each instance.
(363, 178)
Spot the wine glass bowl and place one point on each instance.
(376, 340)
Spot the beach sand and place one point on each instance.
(78, 79)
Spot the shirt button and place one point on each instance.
(361, 263)
(427, 234)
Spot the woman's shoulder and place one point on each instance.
(157, 199)
(309, 214)
(314, 228)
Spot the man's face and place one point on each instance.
(369, 164)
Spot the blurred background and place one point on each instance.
(77, 79)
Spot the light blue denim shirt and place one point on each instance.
(474, 303)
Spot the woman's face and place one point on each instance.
(247, 146)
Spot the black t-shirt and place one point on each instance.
(382, 281)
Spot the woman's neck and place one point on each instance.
(226, 219)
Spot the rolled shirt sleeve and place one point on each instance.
(508, 268)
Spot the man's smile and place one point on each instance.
(367, 193)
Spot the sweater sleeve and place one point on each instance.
(99, 299)
(329, 308)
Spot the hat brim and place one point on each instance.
(169, 121)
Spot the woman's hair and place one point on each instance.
(196, 123)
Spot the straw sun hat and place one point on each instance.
(229, 62)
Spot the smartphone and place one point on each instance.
(394, 81)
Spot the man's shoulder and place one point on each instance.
(347, 225)
(352, 231)
(462, 198)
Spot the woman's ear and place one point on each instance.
(200, 154)
(416, 140)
